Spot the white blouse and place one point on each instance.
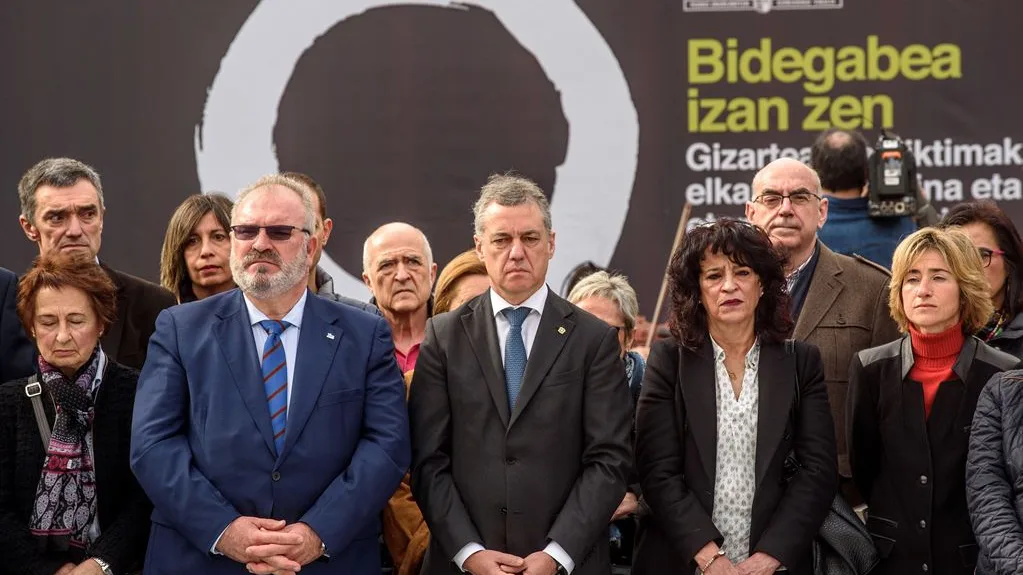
(735, 473)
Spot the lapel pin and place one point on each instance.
(330, 335)
(561, 329)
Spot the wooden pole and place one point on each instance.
(679, 235)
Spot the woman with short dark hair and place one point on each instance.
(715, 421)
(71, 503)
(1001, 252)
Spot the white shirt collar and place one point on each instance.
(294, 315)
(534, 302)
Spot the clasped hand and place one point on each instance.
(270, 546)
(489, 562)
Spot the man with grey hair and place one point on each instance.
(320, 281)
(839, 303)
(522, 472)
(270, 425)
(62, 212)
(398, 268)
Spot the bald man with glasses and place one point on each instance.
(839, 303)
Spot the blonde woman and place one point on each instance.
(911, 403)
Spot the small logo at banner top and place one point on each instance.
(762, 6)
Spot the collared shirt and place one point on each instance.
(407, 361)
(735, 471)
(289, 338)
(798, 282)
(530, 325)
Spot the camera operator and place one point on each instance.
(840, 159)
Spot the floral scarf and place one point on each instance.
(65, 501)
(994, 326)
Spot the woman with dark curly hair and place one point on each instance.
(715, 420)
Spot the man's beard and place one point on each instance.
(264, 285)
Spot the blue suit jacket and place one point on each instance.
(202, 446)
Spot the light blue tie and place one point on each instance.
(514, 353)
(275, 378)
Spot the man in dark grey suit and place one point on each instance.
(519, 411)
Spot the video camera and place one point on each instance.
(893, 185)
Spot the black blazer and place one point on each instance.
(123, 507)
(676, 450)
(138, 304)
(552, 469)
(910, 469)
(16, 351)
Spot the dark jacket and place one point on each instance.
(325, 288)
(1011, 339)
(551, 469)
(676, 455)
(16, 351)
(994, 475)
(911, 469)
(138, 304)
(846, 310)
(122, 506)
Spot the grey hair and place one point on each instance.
(303, 191)
(612, 287)
(427, 250)
(56, 172)
(510, 190)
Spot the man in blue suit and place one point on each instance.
(270, 425)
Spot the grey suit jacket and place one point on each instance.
(554, 469)
(846, 310)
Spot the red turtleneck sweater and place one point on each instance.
(933, 358)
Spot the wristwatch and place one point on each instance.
(561, 569)
(103, 565)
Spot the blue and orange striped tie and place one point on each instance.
(275, 378)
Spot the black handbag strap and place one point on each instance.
(34, 391)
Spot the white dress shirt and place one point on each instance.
(735, 472)
(530, 326)
(289, 339)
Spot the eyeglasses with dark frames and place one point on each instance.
(773, 200)
(986, 253)
(275, 233)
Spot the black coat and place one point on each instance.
(910, 468)
(994, 475)
(138, 303)
(122, 506)
(17, 354)
(676, 448)
(552, 469)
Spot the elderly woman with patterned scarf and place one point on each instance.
(69, 503)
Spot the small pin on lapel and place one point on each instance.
(330, 335)
(561, 329)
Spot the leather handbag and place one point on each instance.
(843, 546)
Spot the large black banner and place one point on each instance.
(622, 111)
